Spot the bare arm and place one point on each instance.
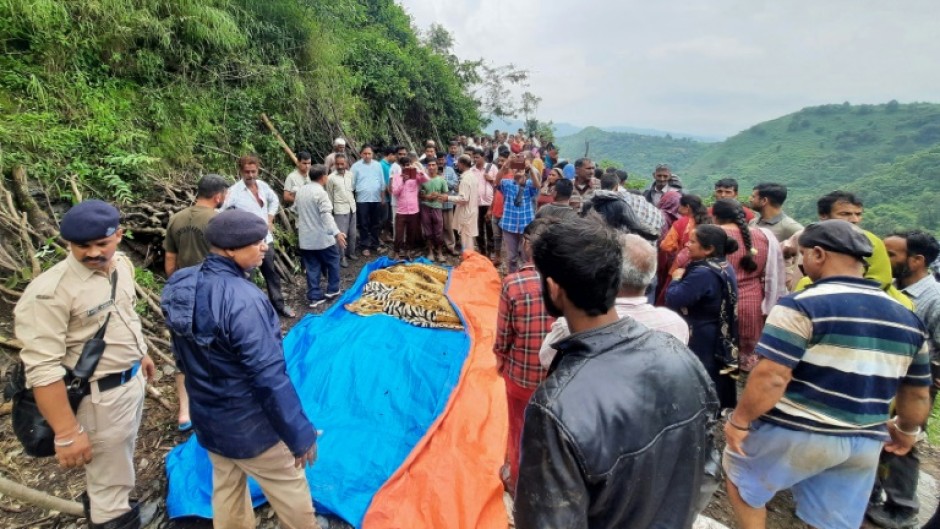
(765, 387)
(912, 406)
(73, 449)
(169, 264)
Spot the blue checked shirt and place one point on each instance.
(517, 217)
(453, 181)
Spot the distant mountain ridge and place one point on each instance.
(563, 129)
(888, 153)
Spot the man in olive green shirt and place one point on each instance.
(185, 243)
(432, 217)
(185, 246)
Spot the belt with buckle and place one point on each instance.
(115, 380)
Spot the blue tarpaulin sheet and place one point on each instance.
(374, 385)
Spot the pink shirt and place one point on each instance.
(406, 193)
(484, 185)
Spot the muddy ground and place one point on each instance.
(158, 436)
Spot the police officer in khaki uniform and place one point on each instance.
(59, 311)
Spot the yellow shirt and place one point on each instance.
(879, 269)
(64, 307)
(539, 165)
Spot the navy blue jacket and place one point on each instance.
(698, 298)
(227, 341)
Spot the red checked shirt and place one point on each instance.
(520, 328)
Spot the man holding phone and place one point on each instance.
(405, 187)
(519, 183)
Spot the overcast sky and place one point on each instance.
(711, 67)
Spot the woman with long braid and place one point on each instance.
(750, 263)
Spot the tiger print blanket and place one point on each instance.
(411, 292)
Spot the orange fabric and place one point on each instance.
(451, 478)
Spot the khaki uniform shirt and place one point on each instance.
(64, 307)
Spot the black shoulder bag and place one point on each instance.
(30, 427)
(727, 353)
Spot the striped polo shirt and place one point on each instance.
(849, 345)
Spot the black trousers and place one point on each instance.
(897, 475)
(272, 279)
(485, 241)
(369, 219)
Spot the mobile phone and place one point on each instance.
(410, 172)
(517, 163)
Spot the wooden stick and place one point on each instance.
(37, 217)
(11, 343)
(16, 294)
(155, 394)
(76, 194)
(40, 499)
(156, 350)
(287, 149)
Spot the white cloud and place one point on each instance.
(711, 47)
(700, 66)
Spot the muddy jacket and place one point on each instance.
(227, 341)
(617, 435)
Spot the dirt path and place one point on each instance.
(158, 436)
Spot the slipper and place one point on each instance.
(185, 426)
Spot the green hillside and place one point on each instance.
(636, 153)
(903, 194)
(113, 93)
(819, 149)
(889, 154)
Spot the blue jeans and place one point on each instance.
(315, 261)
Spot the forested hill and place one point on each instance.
(638, 153)
(819, 149)
(889, 154)
(109, 91)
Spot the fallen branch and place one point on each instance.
(287, 149)
(37, 217)
(11, 343)
(10, 292)
(76, 194)
(155, 394)
(141, 293)
(40, 499)
(156, 350)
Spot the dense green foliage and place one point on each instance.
(820, 149)
(114, 91)
(636, 153)
(888, 154)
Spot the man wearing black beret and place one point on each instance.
(245, 411)
(62, 309)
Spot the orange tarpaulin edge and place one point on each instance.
(451, 478)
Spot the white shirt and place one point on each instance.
(638, 308)
(240, 197)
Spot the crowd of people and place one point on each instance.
(627, 321)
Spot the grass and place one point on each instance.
(933, 425)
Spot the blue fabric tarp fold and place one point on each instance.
(373, 385)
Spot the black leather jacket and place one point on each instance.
(618, 434)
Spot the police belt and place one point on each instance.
(117, 379)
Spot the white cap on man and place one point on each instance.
(339, 141)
